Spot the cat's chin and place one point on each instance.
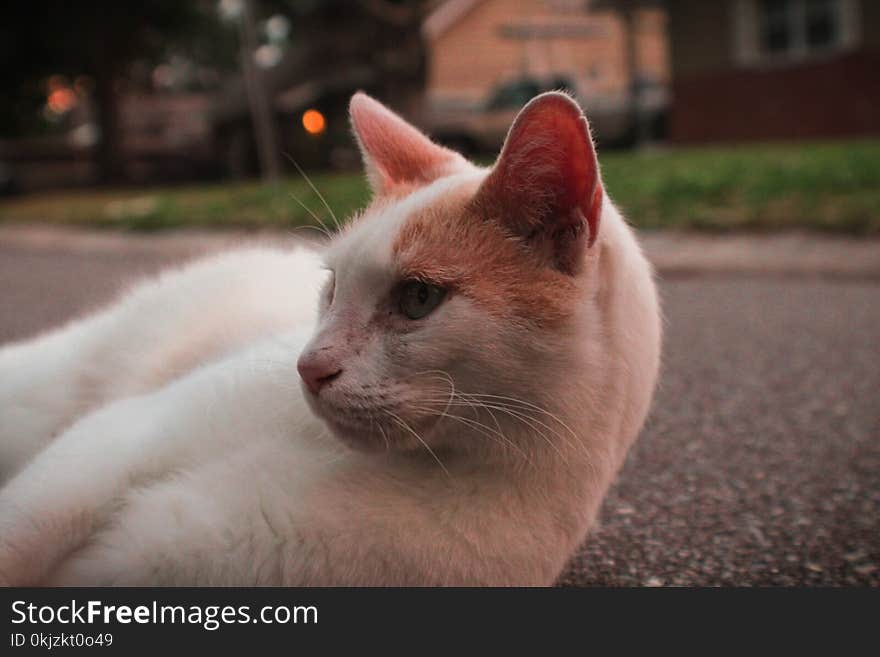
(357, 438)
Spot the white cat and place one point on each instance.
(446, 405)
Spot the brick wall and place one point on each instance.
(835, 97)
(717, 97)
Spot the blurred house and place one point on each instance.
(164, 137)
(190, 109)
(486, 58)
(774, 69)
(167, 136)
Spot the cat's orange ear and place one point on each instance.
(395, 153)
(545, 185)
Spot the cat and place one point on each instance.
(442, 396)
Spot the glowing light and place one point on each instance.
(314, 122)
(230, 10)
(277, 28)
(268, 55)
(61, 100)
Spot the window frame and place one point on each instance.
(748, 23)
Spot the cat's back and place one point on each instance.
(159, 331)
(210, 308)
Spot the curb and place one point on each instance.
(674, 254)
(779, 254)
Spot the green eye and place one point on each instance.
(418, 299)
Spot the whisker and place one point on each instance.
(419, 438)
(487, 431)
(531, 422)
(314, 189)
(310, 227)
(323, 227)
(531, 406)
(575, 442)
(384, 436)
(523, 406)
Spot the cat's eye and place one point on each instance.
(418, 299)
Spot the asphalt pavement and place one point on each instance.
(759, 465)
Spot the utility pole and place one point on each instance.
(629, 14)
(258, 100)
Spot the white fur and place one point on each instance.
(152, 336)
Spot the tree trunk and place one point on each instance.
(640, 127)
(259, 100)
(109, 156)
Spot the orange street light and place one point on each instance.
(314, 122)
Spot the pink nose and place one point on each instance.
(317, 370)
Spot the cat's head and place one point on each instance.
(457, 313)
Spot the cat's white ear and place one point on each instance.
(545, 185)
(395, 153)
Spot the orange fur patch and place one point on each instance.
(453, 244)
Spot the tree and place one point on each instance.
(103, 38)
(99, 38)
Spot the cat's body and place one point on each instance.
(158, 333)
(471, 444)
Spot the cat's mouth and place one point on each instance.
(380, 434)
(373, 428)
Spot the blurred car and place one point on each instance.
(615, 120)
(323, 142)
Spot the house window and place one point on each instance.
(781, 30)
(776, 32)
(821, 23)
(791, 25)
